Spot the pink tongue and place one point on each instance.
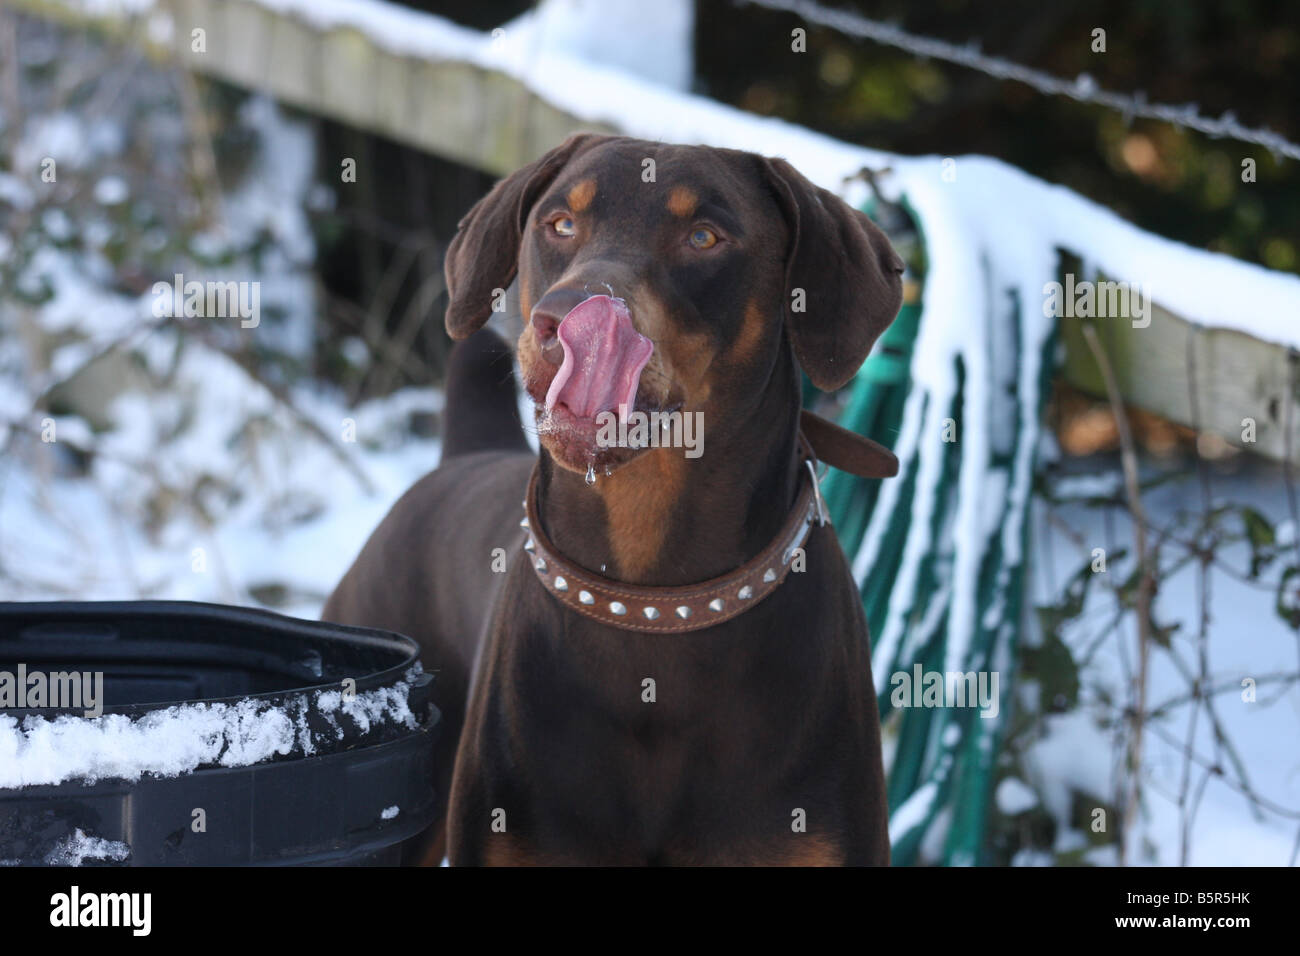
(603, 358)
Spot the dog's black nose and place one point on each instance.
(547, 315)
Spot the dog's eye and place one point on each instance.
(703, 238)
(564, 226)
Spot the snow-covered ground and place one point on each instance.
(202, 485)
(301, 518)
(1245, 639)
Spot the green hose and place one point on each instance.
(944, 757)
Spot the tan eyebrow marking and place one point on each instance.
(581, 195)
(682, 201)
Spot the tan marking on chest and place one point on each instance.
(640, 499)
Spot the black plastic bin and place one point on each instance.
(345, 712)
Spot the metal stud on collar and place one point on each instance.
(817, 490)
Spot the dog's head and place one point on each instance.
(665, 278)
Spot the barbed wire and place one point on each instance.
(1083, 88)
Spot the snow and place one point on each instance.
(1105, 485)
(373, 707)
(205, 484)
(16, 193)
(111, 191)
(181, 738)
(1078, 755)
(112, 7)
(58, 137)
(1014, 796)
(77, 848)
(588, 30)
(913, 811)
(299, 524)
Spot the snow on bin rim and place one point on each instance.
(182, 738)
(310, 714)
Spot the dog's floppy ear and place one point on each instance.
(843, 272)
(484, 254)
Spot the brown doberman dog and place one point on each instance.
(666, 661)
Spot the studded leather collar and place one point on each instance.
(667, 610)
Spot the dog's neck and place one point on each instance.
(663, 519)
